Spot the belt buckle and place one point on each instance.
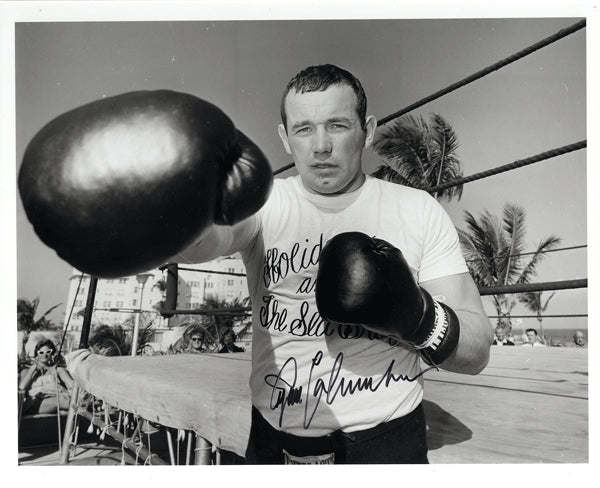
(321, 459)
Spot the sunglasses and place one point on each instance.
(196, 339)
(45, 353)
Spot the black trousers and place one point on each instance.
(400, 441)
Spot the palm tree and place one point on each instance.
(26, 312)
(146, 329)
(419, 154)
(493, 250)
(115, 340)
(533, 301)
(110, 340)
(161, 285)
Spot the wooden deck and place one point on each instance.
(530, 405)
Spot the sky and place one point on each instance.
(533, 105)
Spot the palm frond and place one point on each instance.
(514, 225)
(402, 143)
(529, 271)
(386, 173)
(531, 300)
(26, 315)
(422, 154)
(110, 340)
(51, 309)
(161, 285)
(545, 306)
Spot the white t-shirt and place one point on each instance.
(308, 377)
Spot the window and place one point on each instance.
(134, 302)
(229, 282)
(123, 280)
(106, 303)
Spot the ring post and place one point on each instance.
(202, 451)
(66, 443)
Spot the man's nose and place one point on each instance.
(321, 141)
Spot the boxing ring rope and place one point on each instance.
(527, 287)
(229, 273)
(217, 311)
(551, 316)
(544, 251)
(483, 291)
(475, 76)
(510, 166)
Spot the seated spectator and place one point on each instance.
(228, 341)
(532, 339)
(46, 386)
(578, 340)
(501, 339)
(196, 342)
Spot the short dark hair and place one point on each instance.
(44, 342)
(321, 77)
(532, 330)
(228, 332)
(198, 331)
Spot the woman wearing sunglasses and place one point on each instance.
(45, 384)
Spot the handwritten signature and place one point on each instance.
(285, 393)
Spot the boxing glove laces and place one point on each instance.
(366, 281)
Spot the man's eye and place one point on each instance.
(338, 127)
(303, 130)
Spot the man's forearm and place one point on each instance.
(473, 351)
(217, 241)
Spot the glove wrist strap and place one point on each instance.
(439, 329)
(442, 340)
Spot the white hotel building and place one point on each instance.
(118, 299)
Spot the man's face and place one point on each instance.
(531, 337)
(579, 339)
(325, 137)
(500, 334)
(196, 342)
(228, 340)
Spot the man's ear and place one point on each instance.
(370, 128)
(284, 138)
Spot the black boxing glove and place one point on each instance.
(120, 185)
(366, 281)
